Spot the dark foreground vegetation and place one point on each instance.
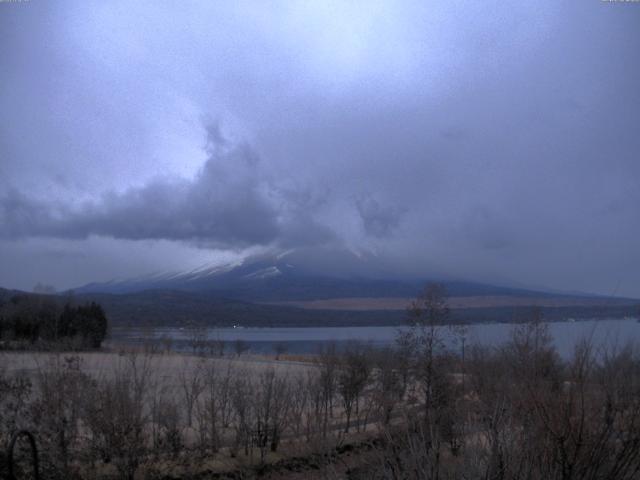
(418, 411)
(44, 321)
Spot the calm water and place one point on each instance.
(609, 333)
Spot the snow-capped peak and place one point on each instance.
(264, 273)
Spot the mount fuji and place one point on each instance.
(297, 275)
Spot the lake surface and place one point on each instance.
(606, 333)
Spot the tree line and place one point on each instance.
(41, 320)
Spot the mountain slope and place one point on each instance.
(291, 277)
(320, 288)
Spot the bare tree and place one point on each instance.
(116, 415)
(167, 343)
(327, 382)
(215, 408)
(272, 403)
(57, 409)
(241, 400)
(197, 337)
(15, 396)
(427, 314)
(191, 384)
(280, 348)
(299, 403)
(240, 346)
(388, 387)
(353, 376)
(168, 419)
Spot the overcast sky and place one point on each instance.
(496, 141)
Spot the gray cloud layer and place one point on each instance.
(226, 205)
(489, 140)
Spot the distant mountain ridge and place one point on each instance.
(155, 308)
(320, 287)
(286, 277)
(185, 308)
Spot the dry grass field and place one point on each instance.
(170, 367)
(485, 301)
(178, 414)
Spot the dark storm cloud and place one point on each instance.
(378, 220)
(215, 138)
(484, 140)
(226, 205)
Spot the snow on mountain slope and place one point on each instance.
(296, 275)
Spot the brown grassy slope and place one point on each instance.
(398, 303)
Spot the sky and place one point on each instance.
(494, 141)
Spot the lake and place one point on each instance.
(608, 333)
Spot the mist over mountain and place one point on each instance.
(302, 274)
(318, 287)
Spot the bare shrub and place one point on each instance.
(116, 416)
(388, 390)
(168, 419)
(270, 413)
(241, 394)
(326, 385)
(15, 393)
(214, 410)
(299, 404)
(240, 347)
(353, 375)
(280, 348)
(15, 397)
(191, 385)
(56, 411)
